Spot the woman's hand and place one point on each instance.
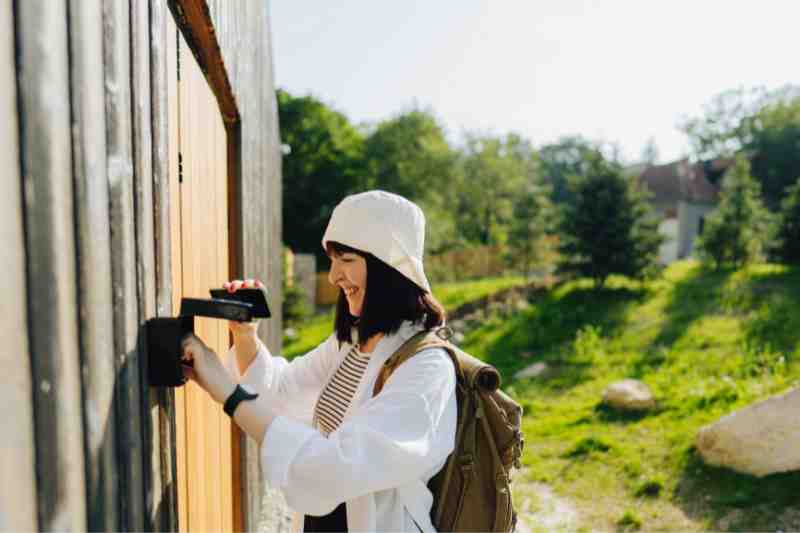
(245, 334)
(207, 370)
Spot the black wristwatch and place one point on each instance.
(238, 395)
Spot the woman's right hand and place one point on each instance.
(245, 334)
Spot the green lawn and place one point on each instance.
(451, 295)
(706, 343)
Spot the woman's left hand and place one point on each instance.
(207, 370)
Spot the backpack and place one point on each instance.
(472, 490)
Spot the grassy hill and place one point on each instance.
(706, 343)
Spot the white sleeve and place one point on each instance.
(394, 438)
(291, 387)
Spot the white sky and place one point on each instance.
(618, 70)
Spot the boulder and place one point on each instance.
(629, 395)
(532, 371)
(760, 439)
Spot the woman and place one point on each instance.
(344, 459)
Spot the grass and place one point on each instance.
(707, 343)
(451, 295)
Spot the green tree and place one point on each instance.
(787, 242)
(736, 232)
(569, 156)
(495, 171)
(529, 227)
(764, 125)
(409, 155)
(324, 164)
(609, 228)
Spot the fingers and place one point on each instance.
(237, 284)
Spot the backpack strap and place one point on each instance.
(419, 342)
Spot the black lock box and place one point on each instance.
(164, 335)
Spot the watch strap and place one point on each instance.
(238, 395)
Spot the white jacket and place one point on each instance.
(380, 459)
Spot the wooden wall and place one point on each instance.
(86, 232)
(243, 32)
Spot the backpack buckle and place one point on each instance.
(445, 332)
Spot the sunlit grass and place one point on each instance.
(707, 343)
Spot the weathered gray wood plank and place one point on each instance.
(145, 247)
(166, 515)
(46, 164)
(116, 51)
(94, 261)
(17, 462)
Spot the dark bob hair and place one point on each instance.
(390, 298)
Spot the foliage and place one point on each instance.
(410, 156)
(560, 161)
(691, 336)
(787, 245)
(609, 229)
(324, 165)
(496, 169)
(736, 232)
(528, 229)
(765, 125)
(294, 306)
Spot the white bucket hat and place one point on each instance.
(386, 225)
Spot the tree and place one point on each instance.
(609, 228)
(409, 155)
(764, 125)
(569, 156)
(527, 243)
(325, 164)
(787, 242)
(495, 171)
(650, 152)
(736, 232)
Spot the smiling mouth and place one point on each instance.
(351, 291)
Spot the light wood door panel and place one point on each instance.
(200, 252)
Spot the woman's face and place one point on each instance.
(349, 272)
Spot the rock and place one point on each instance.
(760, 439)
(458, 325)
(532, 371)
(629, 395)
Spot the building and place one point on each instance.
(683, 193)
(142, 157)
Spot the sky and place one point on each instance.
(621, 71)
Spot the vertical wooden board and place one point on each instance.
(17, 461)
(94, 261)
(176, 254)
(141, 95)
(46, 168)
(166, 518)
(116, 50)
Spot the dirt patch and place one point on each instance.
(542, 510)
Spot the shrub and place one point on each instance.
(735, 234)
(787, 243)
(609, 228)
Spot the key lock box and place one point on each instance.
(164, 335)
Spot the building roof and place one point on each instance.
(681, 180)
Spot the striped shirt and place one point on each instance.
(339, 392)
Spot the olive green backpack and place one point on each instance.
(472, 490)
